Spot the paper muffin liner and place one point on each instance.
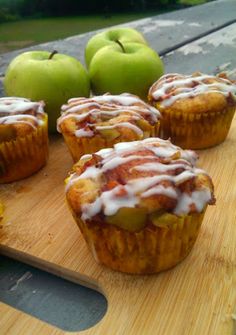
(150, 250)
(78, 146)
(24, 156)
(196, 130)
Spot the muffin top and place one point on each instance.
(152, 174)
(19, 117)
(107, 115)
(197, 92)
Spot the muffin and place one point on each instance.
(139, 205)
(197, 110)
(99, 122)
(23, 138)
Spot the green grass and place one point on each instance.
(15, 35)
(192, 2)
(24, 33)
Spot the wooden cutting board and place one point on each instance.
(197, 297)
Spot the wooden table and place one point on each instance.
(202, 38)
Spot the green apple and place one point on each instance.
(109, 37)
(51, 77)
(127, 67)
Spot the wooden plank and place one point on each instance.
(162, 31)
(196, 297)
(15, 322)
(211, 54)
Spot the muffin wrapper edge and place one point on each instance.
(23, 156)
(196, 131)
(78, 146)
(150, 250)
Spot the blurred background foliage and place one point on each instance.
(28, 22)
(16, 9)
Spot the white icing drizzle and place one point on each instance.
(159, 167)
(109, 164)
(90, 210)
(83, 133)
(172, 166)
(198, 198)
(159, 189)
(168, 150)
(96, 113)
(75, 107)
(19, 119)
(124, 99)
(21, 110)
(142, 184)
(122, 124)
(107, 112)
(172, 87)
(91, 172)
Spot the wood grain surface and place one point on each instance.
(196, 297)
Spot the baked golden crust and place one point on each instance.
(99, 122)
(150, 250)
(23, 138)
(197, 110)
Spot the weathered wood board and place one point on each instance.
(213, 53)
(163, 32)
(196, 297)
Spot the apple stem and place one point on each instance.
(121, 45)
(52, 54)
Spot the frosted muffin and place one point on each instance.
(139, 205)
(23, 138)
(99, 122)
(197, 110)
